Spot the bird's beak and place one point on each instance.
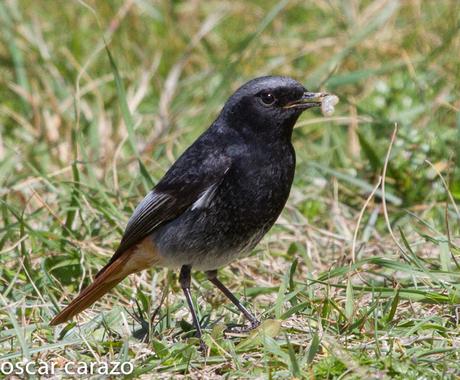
(308, 100)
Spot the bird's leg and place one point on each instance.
(185, 280)
(212, 276)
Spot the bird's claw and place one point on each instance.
(254, 324)
(241, 329)
(203, 348)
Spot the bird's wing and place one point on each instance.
(187, 184)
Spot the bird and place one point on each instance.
(218, 199)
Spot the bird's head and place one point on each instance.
(269, 106)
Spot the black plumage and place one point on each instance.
(220, 197)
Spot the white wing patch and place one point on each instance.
(205, 198)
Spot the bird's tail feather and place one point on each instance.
(106, 280)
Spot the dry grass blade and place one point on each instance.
(360, 216)
(384, 202)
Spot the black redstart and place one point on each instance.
(218, 199)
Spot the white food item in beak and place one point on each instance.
(328, 104)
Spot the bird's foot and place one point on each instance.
(203, 348)
(255, 323)
(142, 333)
(242, 329)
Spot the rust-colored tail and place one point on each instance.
(143, 255)
(106, 279)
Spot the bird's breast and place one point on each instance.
(258, 183)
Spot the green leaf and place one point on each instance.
(349, 301)
(313, 349)
(268, 328)
(394, 306)
(293, 359)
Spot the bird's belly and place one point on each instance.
(211, 238)
(204, 249)
(205, 261)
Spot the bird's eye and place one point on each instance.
(267, 98)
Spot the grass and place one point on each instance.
(97, 99)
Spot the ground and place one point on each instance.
(360, 276)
